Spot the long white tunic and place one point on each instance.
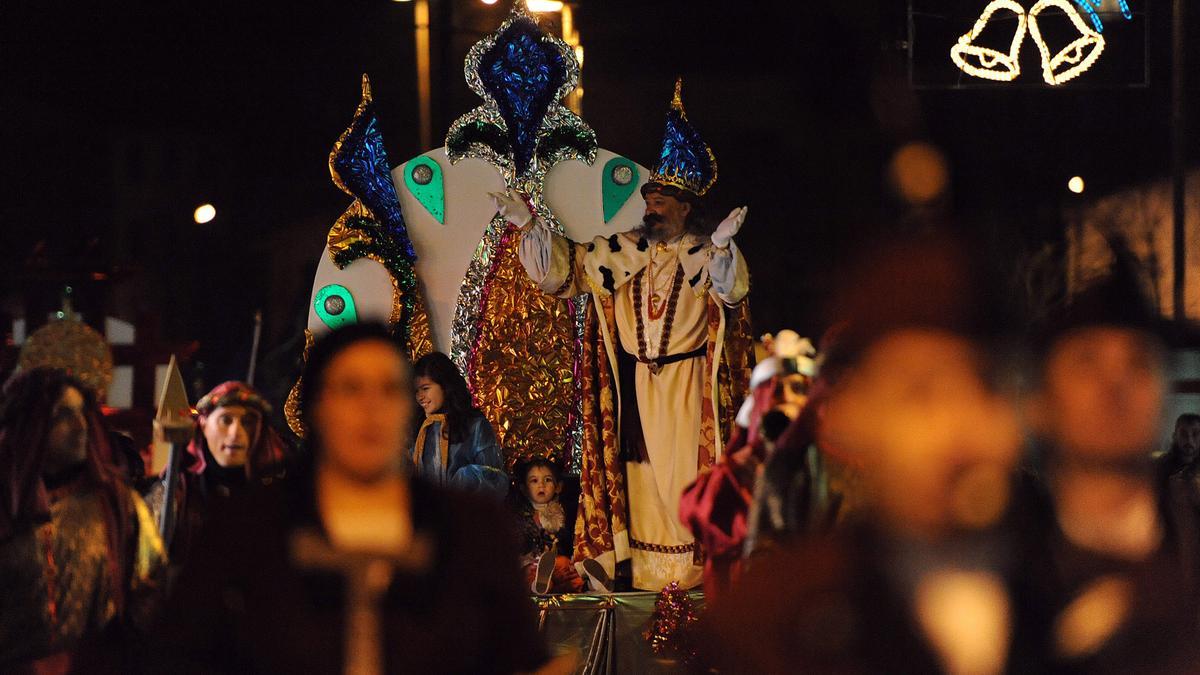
(669, 402)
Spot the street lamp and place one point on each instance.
(204, 214)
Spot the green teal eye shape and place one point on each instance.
(618, 181)
(335, 306)
(423, 177)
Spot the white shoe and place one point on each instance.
(544, 574)
(598, 579)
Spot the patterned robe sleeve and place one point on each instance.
(727, 271)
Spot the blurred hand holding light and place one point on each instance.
(204, 214)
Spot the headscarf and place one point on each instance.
(268, 452)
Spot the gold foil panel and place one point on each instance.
(420, 339)
(291, 407)
(523, 367)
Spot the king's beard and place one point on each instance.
(656, 229)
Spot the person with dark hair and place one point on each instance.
(1096, 408)
(80, 559)
(353, 564)
(1178, 469)
(546, 532)
(455, 443)
(666, 358)
(1184, 451)
(232, 445)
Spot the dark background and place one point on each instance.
(119, 118)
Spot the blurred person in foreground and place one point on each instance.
(232, 446)
(353, 564)
(926, 583)
(803, 490)
(80, 559)
(1119, 597)
(716, 506)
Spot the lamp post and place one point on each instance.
(421, 41)
(1179, 160)
(425, 113)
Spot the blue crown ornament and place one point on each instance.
(522, 73)
(686, 162)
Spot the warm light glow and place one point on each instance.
(919, 172)
(544, 5)
(204, 213)
(489, 2)
(1076, 185)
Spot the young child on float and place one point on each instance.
(547, 535)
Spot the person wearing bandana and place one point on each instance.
(232, 445)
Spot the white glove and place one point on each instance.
(729, 227)
(512, 208)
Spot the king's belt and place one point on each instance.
(657, 363)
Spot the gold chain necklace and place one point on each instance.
(657, 290)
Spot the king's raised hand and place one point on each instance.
(512, 207)
(729, 227)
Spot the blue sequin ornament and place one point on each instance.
(360, 166)
(522, 73)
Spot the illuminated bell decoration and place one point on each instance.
(1078, 56)
(1068, 63)
(986, 63)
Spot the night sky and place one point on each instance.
(119, 118)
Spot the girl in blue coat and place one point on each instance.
(456, 445)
